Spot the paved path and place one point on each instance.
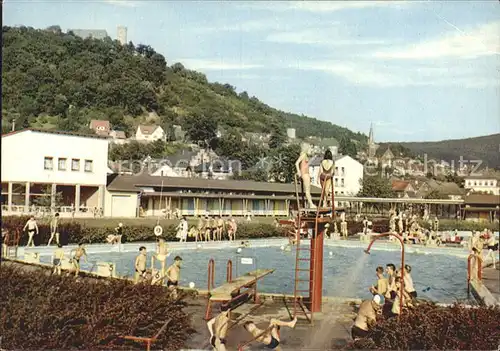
(491, 280)
(331, 326)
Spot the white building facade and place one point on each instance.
(149, 133)
(347, 177)
(482, 184)
(58, 171)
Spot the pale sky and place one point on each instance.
(425, 70)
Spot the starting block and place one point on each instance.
(106, 269)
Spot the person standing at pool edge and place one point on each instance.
(54, 229)
(173, 274)
(32, 230)
(381, 287)
(57, 260)
(79, 253)
(140, 265)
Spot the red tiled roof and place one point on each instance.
(147, 129)
(400, 185)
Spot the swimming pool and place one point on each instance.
(348, 271)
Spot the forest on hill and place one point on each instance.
(485, 149)
(57, 80)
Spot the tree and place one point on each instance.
(282, 168)
(375, 186)
(455, 178)
(278, 136)
(257, 175)
(45, 200)
(203, 130)
(434, 194)
(347, 147)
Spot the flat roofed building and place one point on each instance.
(68, 167)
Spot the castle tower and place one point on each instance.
(122, 35)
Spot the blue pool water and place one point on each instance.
(348, 272)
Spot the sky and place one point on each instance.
(417, 70)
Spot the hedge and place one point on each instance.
(429, 327)
(73, 232)
(56, 312)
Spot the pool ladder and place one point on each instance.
(307, 221)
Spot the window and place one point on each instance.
(336, 181)
(342, 182)
(88, 165)
(343, 171)
(75, 164)
(61, 164)
(336, 170)
(48, 163)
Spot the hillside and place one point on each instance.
(484, 148)
(57, 80)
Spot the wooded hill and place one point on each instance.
(57, 80)
(484, 148)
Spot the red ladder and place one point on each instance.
(305, 275)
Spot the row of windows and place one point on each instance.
(480, 183)
(62, 164)
(342, 170)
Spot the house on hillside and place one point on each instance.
(387, 158)
(479, 208)
(217, 169)
(445, 190)
(149, 133)
(403, 188)
(486, 184)
(100, 127)
(118, 137)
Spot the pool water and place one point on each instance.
(347, 272)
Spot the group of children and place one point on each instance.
(387, 296)
(212, 228)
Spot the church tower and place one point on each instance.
(372, 147)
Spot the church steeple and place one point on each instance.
(372, 147)
(370, 136)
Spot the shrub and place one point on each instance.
(429, 327)
(73, 232)
(52, 312)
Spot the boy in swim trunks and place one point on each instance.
(217, 327)
(140, 265)
(32, 231)
(172, 274)
(161, 254)
(269, 337)
(57, 260)
(79, 253)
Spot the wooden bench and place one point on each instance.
(151, 340)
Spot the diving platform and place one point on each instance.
(230, 292)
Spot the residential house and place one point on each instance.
(149, 133)
(217, 169)
(100, 127)
(403, 188)
(387, 158)
(486, 184)
(118, 137)
(445, 190)
(70, 164)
